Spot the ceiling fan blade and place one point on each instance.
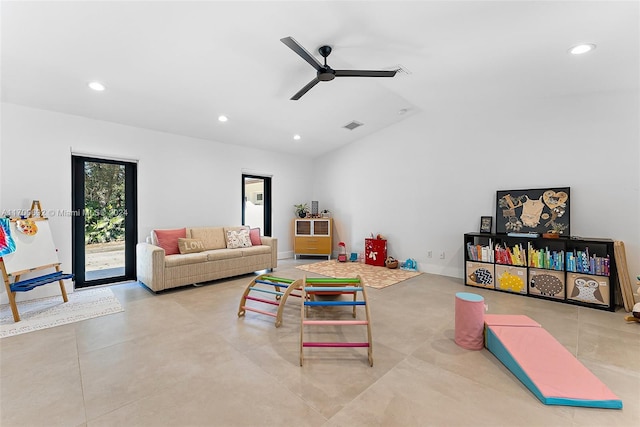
(365, 73)
(302, 52)
(305, 89)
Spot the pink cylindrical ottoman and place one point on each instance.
(469, 321)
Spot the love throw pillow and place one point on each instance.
(190, 246)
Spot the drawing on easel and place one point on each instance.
(32, 250)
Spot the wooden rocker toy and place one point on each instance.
(279, 287)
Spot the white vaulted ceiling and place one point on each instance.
(176, 66)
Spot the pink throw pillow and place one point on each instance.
(254, 234)
(168, 240)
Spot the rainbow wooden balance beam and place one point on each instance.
(312, 287)
(271, 286)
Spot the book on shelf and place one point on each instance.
(515, 255)
(529, 235)
(484, 253)
(581, 262)
(546, 258)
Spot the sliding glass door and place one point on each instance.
(105, 232)
(256, 202)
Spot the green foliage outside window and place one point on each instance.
(105, 211)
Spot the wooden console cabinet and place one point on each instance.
(312, 236)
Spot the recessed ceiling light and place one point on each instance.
(582, 48)
(223, 118)
(296, 137)
(97, 86)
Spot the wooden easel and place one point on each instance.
(32, 255)
(623, 275)
(33, 209)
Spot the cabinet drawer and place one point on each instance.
(312, 245)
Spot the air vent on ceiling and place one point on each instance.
(352, 125)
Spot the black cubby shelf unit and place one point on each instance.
(579, 271)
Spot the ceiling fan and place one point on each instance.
(325, 72)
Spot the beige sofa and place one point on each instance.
(212, 257)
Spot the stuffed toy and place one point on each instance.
(635, 317)
(635, 314)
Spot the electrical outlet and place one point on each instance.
(442, 255)
(430, 254)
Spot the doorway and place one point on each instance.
(105, 231)
(256, 202)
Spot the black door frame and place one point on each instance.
(78, 225)
(266, 201)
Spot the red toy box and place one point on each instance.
(375, 251)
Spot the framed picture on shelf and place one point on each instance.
(542, 210)
(485, 224)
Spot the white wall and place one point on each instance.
(426, 181)
(422, 183)
(181, 181)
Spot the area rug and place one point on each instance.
(48, 312)
(372, 276)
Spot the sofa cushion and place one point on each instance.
(185, 259)
(255, 250)
(254, 234)
(190, 246)
(220, 254)
(238, 239)
(212, 237)
(168, 239)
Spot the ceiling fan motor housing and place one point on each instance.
(326, 74)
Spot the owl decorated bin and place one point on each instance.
(588, 288)
(547, 283)
(480, 274)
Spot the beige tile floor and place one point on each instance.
(184, 358)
